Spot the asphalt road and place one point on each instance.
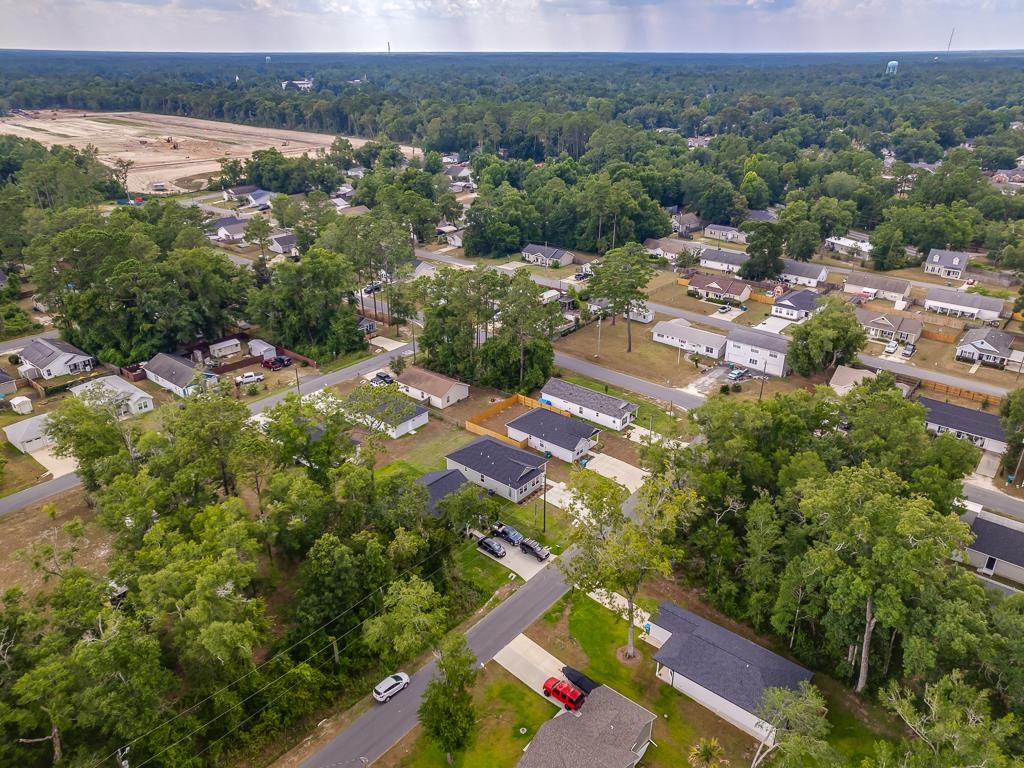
(382, 727)
(625, 381)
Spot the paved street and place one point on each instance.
(378, 730)
(624, 381)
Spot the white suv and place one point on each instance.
(891, 347)
(390, 685)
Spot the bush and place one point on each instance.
(14, 360)
(724, 389)
(736, 386)
(252, 390)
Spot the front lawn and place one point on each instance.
(664, 424)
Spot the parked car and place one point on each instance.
(535, 548)
(508, 533)
(382, 379)
(277, 363)
(491, 547)
(736, 374)
(567, 694)
(891, 347)
(263, 207)
(389, 686)
(743, 307)
(724, 308)
(909, 350)
(249, 377)
(373, 288)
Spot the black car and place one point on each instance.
(491, 547)
(508, 533)
(535, 548)
(373, 288)
(382, 379)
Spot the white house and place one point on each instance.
(606, 410)
(729, 234)
(563, 437)
(946, 301)
(284, 244)
(720, 670)
(427, 386)
(759, 351)
(796, 305)
(261, 348)
(998, 547)
(508, 471)
(889, 327)
(877, 286)
(239, 193)
(849, 247)
(128, 399)
(723, 260)
(719, 287)
(680, 334)
(667, 247)
(685, 223)
(639, 313)
(49, 358)
(29, 435)
(177, 375)
(547, 256)
(981, 428)
(948, 264)
(985, 345)
(803, 273)
(232, 231)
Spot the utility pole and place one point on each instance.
(297, 390)
(599, 319)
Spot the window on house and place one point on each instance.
(773, 355)
(753, 361)
(481, 478)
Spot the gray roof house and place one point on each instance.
(606, 410)
(803, 272)
(946, 301)
(760, 351)
(985, 345)
(546, 255)
(998, 547)
(683, 335)
(943, 263)
(126, 398)
(889, 327)
(755, 214)
(496, 466)
(723, 260)
(796, 305)
(720, 670)
(978, 427)
(564, 437)
(880, 286)
(175, 374)
(608, 731)
(49, 358)
(29, 435)
(440, 483)
(721, 232)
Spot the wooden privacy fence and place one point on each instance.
(474, 423)
(967, 394)
(948, 337)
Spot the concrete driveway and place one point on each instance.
(773, 324)
(624, 474)
(55, 465)
(989, 464)
(731, 315)
(527, 661)
(515, 560)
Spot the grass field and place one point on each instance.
(20, 472)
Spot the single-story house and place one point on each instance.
(232, 231)
(366, 325)
(598, 306)
(261, 348)
(176, 374)
(796, 305)
(563, 437)
(606, 410)
(877, 286)
(720, 670)
(998, 547)
(458, 171)
(424, 269)
(981, 428)
(760, 351)
(394, 425)
(29, 435)
(239, 193)
(126, 397)
(666, 247)
(761, 214)
(440, 483)
(985, 345)
(889, 327)
(719, 287)
(639, 312)
(508, 471)
(686, 223)
(455, 239)
(608, 731)
(946, 301)
(49, 358)
(723, 260)
(547, 256)
(284, 244)
(423, 385)
(846, 378)
(729, 234)
(803, 273)
(849, 247)
(679, 333)
(8, 385)
(948, 264)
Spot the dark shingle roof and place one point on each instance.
(721, 661)
(1000, 341)
(723, 256)
(588, 398)
(1002, 542)
(755, 214)
(760, 339)
(601, 735)
(439, 484)
(805, 301)
(948, 259)
(547, 251)
(960, 419)
(42, 352)
(554, 428)
(499, 461)
(176, 370)
(801, 269)
(964, 299)
(878, 282)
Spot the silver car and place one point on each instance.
(390, 685)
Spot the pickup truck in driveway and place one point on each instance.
(249, 377)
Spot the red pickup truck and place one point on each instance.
(566, 693)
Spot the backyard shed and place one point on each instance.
(225, 348)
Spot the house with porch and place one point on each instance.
(796, 305)
(606, 410)
(803, 273)
(508, 471)
(728, 234)
(178, 375)
(546, 255)
(127, 399)
(988, 346)
(948, 264)
(980, 428)
(946, 301)
(50, 358)
(719, 287)
(667, 247)
(680, 334)
(877, 286)
(889, 327)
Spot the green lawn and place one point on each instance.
(663, 423)
(504, 708)
(485, 574)
(346, 360)
(851, 736)
(426, 450)
(528, 519)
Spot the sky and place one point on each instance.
(511, 25)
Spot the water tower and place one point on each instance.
(891, 67)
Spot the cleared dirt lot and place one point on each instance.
(141, 138)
